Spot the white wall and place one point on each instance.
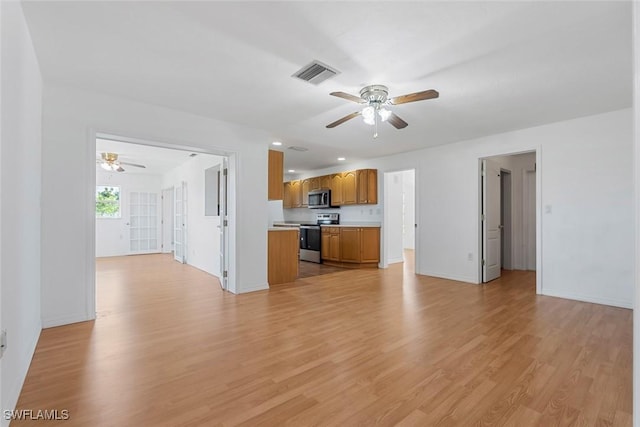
(112, 234)
(585, 172)
(394, 218)
(203, 235)
(520, 245)
(409, 191)
(70, 119)
(20, 180)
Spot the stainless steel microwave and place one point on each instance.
(319, 199)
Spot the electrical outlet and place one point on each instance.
(470, 256)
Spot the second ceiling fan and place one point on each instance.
(376, 97)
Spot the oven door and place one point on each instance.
(310, 243)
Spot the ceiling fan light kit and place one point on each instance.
(376, 97)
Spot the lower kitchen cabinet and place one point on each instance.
(352, 247)
(283, 247)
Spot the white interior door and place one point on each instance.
(143, 222)
(490, 220)
(224, 225)
(180, 222)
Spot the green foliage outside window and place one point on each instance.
(107, 202)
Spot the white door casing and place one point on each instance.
(224, 225)
(167, 220)
(180, 222)
(491, 226)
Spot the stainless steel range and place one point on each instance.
(310, 237)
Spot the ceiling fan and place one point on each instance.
(110, 162)
(376, 98)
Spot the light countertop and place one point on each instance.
(354, 224)
(284, 229)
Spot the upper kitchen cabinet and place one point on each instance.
(349, 188)
(309, 184)
(276, 174)
(357, 187)
(367, 180)
(324, 182)
(292, 194)
(336, 189)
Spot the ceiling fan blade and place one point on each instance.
(396, 121)
(413, 97)
(344, 119)
(348, 97)
(133, 164)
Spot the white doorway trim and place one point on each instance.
(539, 221)
(386, 231)
(167, 220)
(90, 242)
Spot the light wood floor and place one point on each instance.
(356, 348)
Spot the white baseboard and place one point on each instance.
(588, 298)
(395, 260)
(450, 277)
(10, 401)
(52, 322)
(262, 287)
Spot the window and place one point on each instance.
(107, 202)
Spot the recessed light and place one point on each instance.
(291, 170)
(341, 159)
(276, 143)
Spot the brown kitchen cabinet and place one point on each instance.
(292, 195)
(330, 244)
(352, 247)
(336, 189)
(276, 174)
(309, 184)
(349, 188)
(357, 187)
(282, 256)
(324, 182)
(367, 182)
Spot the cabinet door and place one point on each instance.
(296, 194)
(325, 245)
(350, 244)
(336, 189)
(276, 173)
(287, 201)
(370, 244)
(362, 185)
(349, 188)
(314, 183)
(372, 186)
(324, 181)
(306, 186)
(334, 247)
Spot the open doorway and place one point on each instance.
(507, 214)
(399, 219)
(138, 213)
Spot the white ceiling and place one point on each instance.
(157, 160)
(498, 66)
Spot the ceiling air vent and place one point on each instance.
(316, 72)
(296, 148)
